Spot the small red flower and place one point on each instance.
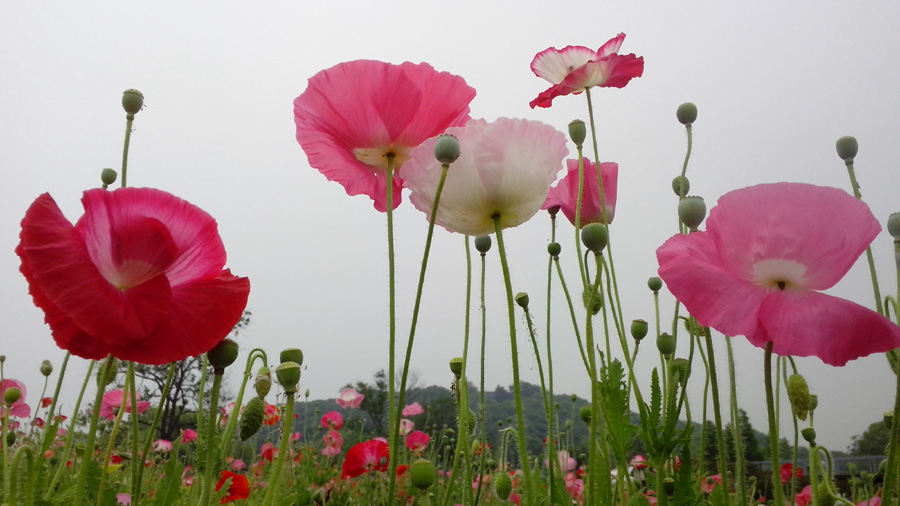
(788, 471)
(272, 416)
(239, 488)
(46, 401)
(417, 441)
(365, 457)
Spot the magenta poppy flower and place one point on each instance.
(354, 114)
(709, 483)
(804, 497)
(188, 435)
(565, 193)
(365, 457)
(505, 169)
(332, 420)
(350, 398)
(576, 68)
(757, 270)
(139, 276)
(417, 440)
(333, 443)
(18, 408)
(413, 409)
(112, 401)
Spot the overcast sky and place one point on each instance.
(776, 83)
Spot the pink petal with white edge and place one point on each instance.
(804, 324)
(611, 46)
(823, 229)
(694, 273)
(553, 65)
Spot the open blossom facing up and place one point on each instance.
(365, 457)
(354, 115)
(18, 408)
(112, 401)
(505, 169)
(576, 68)
(757, 270)
(350, 398)
(593, 210)
(139, 276)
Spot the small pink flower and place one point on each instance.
(112, 401)
(268, 451)
(123, 499)
(709, 483)
(333, 443)
(413, 409)
(333, 420)
(787, 472)
(804, 497)
(19, 408)
(565, 193)
(237, 465)
(639, 462)
(566, 462)
(188, 435)
(295, 436)
(406, 426)
(161, 445)
(417, 441)
(575, 487)
(350, 398)
(872, 501)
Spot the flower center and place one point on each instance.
(378, 157)
(779, 273)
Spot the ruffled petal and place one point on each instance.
(553, 65)
(565, 193)
(611, 46)
(694, 273)
(823, 229)
(805, 324)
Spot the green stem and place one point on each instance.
(228, 435)
(773, 429)
(29, 480)
(575, 327)
(717, 412)
(736, 429)
(139, 474)
(209, 479)
(890, 479)
(393, 420)
(275, 478)
(869, 257)
(484, 445)
(71, 434)
(548, 400)
(87, 456)
(130, 120)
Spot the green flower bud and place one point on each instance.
(681, 186)
(639, 329)
(554, 249)
(422, 474)
(798, 394)
(288, 374)
(594, 237)
(595, 303)
(686, 113)
(813, 402)
(446, 149)
(114, 366)
(46, 368)
(521, 299)
(483, 244)
(11, 395)
(292, 355)
(654, 284)
(847, 147)
(691, 211)
(223, 355)
(306, 393)
(456, 366)
(108, 177)
(809, 435)
(825, 497)
(893, 226)
(502, 485)
(252, 417)
(2, 358)
(263, 382)
(577, 132)
(132, 102)
(665, 344)
(682, 368)
(585, 413)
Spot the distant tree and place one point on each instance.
(375, 401)
(873, 441)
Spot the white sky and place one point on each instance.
(776, 84)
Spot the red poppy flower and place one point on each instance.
(417, 441)
(365, 457)
(272, 415)
(354, 114)
(46, 401)
(139, 276)
(787, 472)
(239, 488)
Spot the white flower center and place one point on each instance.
(779, 273)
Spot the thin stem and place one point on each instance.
(717, 412)
(209, 479)
(483, 460)
(773, 429)
(130, 120)
(392, 326)
(71, 434)
(869, 257)
(575, 327)
(86, 457)
(275, 478)
(736, 428)
(136, 484)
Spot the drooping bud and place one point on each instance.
(654, 284)
(11, 395)
(502, 485)
(686, 113)
(639, 329)
(692, 211)
(893, 226)
(223, 355)
(113, 367)
(809, 435)
(46, 368)
(521, 299)
(577, 132)
(446, 149)
(585, 413)
(665, 344)
(483, 243)
(847, 147)
(798, 394)
(554, 249)
(813, 402)
(288, 374)
(108, 177)
(456, 366)
(594, 237)
(422, 474)
(292, 355)
(263, 382)
(681, 186)
(252, 417)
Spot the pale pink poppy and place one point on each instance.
(406, 426)
(355, 114)
(417, 440)
(350, 398)
(873, 501)
(161, 445)
(112, 401)
(413, 409)
(188, 435)
(124, 499)
(295, 436)
(505, 170)
(565, 193)
(333, 443)
(575, 487)
(757, 270)
(238, 465)
(332, 420)
(18, 408)
(566, 462)
(639, 462)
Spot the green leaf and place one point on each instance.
(169, 489)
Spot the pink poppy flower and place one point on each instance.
(295, 436)
(566, 462)
(139, 276)
(406, 426)
(238, 465)
(365, 457)
(417, 440)
(333, 443)
(413, 409)
(124, 499)
(112, 401)
(575, 487)
(757, 269)
(272, 415)
(787, 472)
(505, 169)
(350, 398)
(18, 408)
(354, 114)
(639, 462)
(565, 193)
(161, 445)
(709, 483)
(332, 420)
(573, 69)
(188, 435)
(872, 501)
(804, 497)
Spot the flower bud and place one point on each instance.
(11, 395)
(552, 211)
(577, 132)
(263, 382)
(522, 300)
(669, 486)
(686, 113)
(889, 419)
(682, 368)
(639, 329)
(585, 413)
(252, 417)
(456, 366)
(422, 474)
(798, 394)
(108, 177)
(809, 435)
(114, 367)
(483, 243)
(665, 344)
(691, 211)
(893, 225)
(594, 237)
(46, 368)
(847, 147)
(306, 393)
(502, 485)
(446, 149)
(288, 374)
(292, 355)
(132, 101)
(223, 355)
(593, 303)
(2, 358)
(554, 249)
(654, 284)
(813, 402)
(681, 186)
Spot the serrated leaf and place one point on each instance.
(169, 489)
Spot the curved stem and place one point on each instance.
(130, 120)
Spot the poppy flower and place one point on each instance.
(268, 451)
(272, 415)
(188, 435)
(413, 409)
(804, 497)
(18, 408)
(709, 483)
(162, 445)
(46, 402)
(333, 443)
(139, 276)
(350, 398)
(355, 114)
(406, 426)
(757, 270)
(872, 501)
(239, 488)
(112, 401)
(417, 440)
(639, 462)
(565, 193)
(332, 420)
(573, 69)
(787, 472)
(505, 169)
(365, 457)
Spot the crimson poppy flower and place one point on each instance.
(138, 276)
(417, 440)
(757, 269)
(787, 472)
(365, 457)
(576, 68)
(355, 114)
(46, 402)
(188, 435)
(239, 488)
(565, 193)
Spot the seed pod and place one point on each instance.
(422, 474)
(252, 418)
(502, 485)
(798, 393)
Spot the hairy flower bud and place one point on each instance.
(798, 394)
(223, 355)
(252, 417)
(809, 435)
(654, 284)
(847, 147)
(521, 299)
(585, 413)
(593, 303)
(263, 382)
(681, 186)
(639, 329)
(422, 474)
(502, 485)
(669, 486)
(577, 132)
(446, 149)
(483, 243)
(692, 211)
(686, 113)
(594, 237)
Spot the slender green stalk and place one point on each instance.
(29, 479)
(87, 456)
(228, 435)
(551, 444)
(484, 446)
(135, 431)
(599, 465)
(773, 429)
(869, 257)
(736, 429)
(552, 430)
(209, 478)
(575, 327)
(138, 470)
(890, 478)
(130, 120)
(393, 420)
(705, 405)
(717, 412)
(123, 407)
(275, 478)
(71, 434)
